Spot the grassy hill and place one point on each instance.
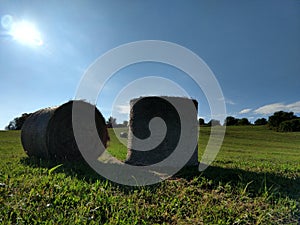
(255, 179)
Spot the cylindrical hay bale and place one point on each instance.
(34, 133)
(142, 111)
(48, 133)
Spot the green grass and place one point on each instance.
(255, 179)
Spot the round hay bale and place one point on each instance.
(48, 133)
(124, 135)
(142, 111)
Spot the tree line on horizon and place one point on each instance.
(232, 121)
(279, 121)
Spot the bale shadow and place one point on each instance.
(79, 168)
(257, 183)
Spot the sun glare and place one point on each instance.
(26, 33)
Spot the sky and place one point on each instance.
(252, 47)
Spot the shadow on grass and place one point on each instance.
(257, 184)
(79, 169)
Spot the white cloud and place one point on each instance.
(244, 111)
(295, 107)
(271, 108)
(227, 101)
(123, 109)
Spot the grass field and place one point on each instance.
(254, 180)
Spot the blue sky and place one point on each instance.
(252, 47)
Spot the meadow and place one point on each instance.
(255, 179)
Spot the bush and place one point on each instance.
(290, 125)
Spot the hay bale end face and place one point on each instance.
(142, 110)
(48, 133)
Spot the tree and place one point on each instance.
(201, 121)
(290, 125)
(125, 123)
(214, 123)
(111, 122)
(18, 122)
(278, 117)
(243, 122)
(230, 121)
(261, 121)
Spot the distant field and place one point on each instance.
(255, 179)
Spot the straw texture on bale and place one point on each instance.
(142, 110)
(48, 133)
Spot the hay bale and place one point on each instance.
(142, 110)
(48, 133)
(124, 135)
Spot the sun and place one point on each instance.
(26, 33)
